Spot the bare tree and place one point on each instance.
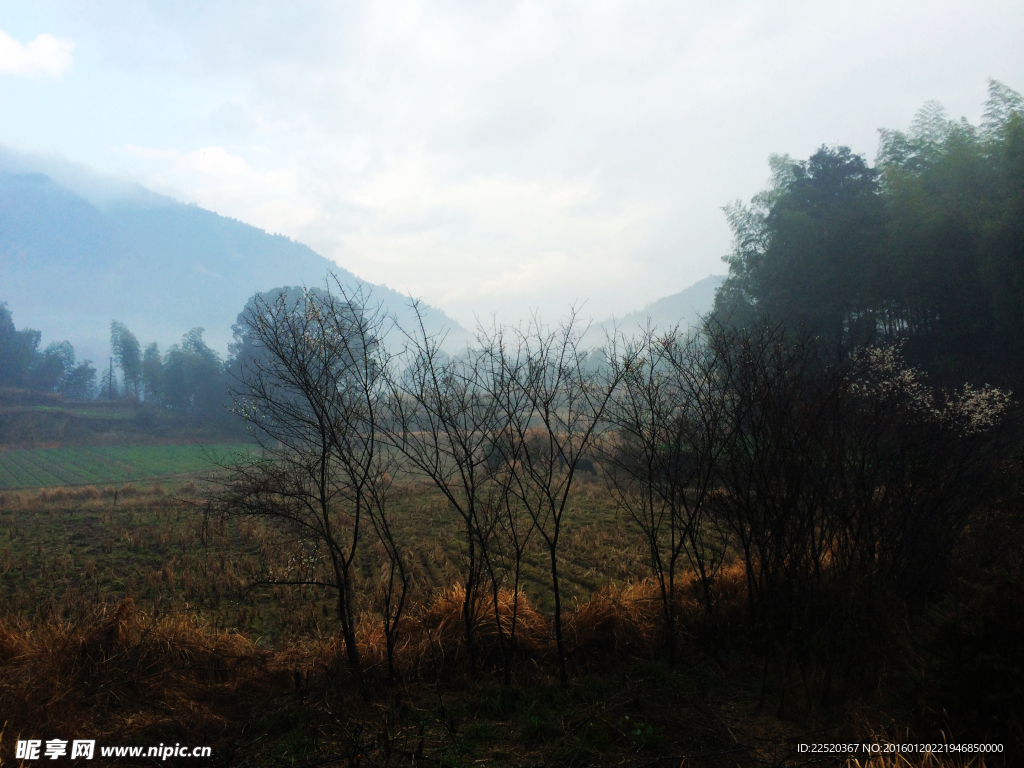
(395, 580)
(670, 416)
(553, 410)
(505, 356)
(311, 391)
(442, 418)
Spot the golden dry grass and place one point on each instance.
(120, 670)
(121, 675)
(927, 760)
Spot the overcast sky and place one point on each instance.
(488, 156)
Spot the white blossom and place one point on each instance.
(882, 376)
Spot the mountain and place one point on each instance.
(72, 262)
(683, 309)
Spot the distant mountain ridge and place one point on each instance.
(69, 266)
(683, 309)
(78, 249)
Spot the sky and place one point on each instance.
(495, 158)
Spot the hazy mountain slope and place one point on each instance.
(68, 267)
(683, 309)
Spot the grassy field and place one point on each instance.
(126, 615)
(100, 465)
(154, 543)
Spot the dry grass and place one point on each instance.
(121, 670)
(928, 760)
(122, 675)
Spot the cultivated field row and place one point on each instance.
(47, 467)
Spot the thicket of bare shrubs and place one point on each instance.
(840, 483)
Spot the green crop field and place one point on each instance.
(44, 467)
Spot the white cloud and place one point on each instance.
(521, 154)
(214, 178)
(46, 55)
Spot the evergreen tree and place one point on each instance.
(17, 350)
(49, 370)
(193, 380)
(80, 382)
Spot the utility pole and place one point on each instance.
(110, 382)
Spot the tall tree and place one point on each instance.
(50, 369)
(17, 350)
(812, 253)
(443, 418)
(193, 379)
(313, 400)
(926, 247)
(152, 374)
(671, 420)
(554, 411)
(128, 355)
(954, 196)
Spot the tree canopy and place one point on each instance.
(925, 247)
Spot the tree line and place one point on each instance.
(53, 369)
(840, 485)
(926, 247)
(188, 379)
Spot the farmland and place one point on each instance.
(101, 465)
(160, 591)
(155, 544)
(135, 604)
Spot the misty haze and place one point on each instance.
(512, 384)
